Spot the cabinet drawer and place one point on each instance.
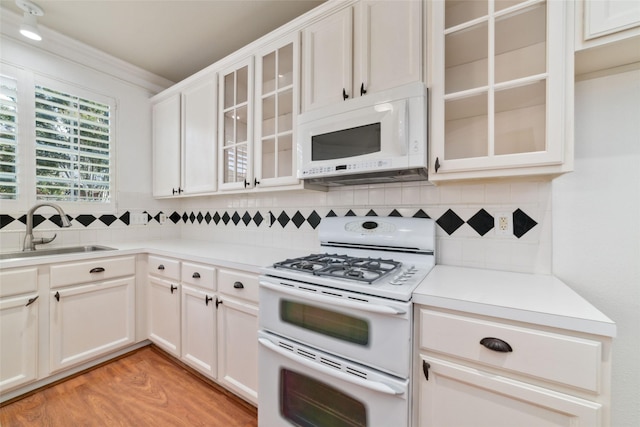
(92, 271)
(549, 356)
(200, 275)
(241, 285)
(164, 267)
(18, 281)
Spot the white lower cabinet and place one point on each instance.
(208, 318)
(479, 371)
(238, 349)
(199, 330)
(164, 314)
(19, 316)
(88, 321)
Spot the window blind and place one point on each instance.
(73, 147)
(8, 137)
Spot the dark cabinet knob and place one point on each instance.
(496, 344)
(173, 288)
(196, 275)
(161, 267)
(96, 270)
(57, 296)
(207, 298)
(437, 165)
(362, 89)
(238, 285)
(344, 94)
(255, 182)
(32, 300)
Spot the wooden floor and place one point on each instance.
(144, 388)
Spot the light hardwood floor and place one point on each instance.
(144, 388)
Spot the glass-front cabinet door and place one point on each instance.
(501, 93)
(236, 130)
(277, 106)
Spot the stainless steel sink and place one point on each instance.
(54, 251)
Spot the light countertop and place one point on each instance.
(532, 298)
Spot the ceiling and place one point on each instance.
(170, 38)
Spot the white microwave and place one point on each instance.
(375, 138)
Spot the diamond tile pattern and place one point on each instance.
(481, 222)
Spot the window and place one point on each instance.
(73, 147)
(8, 137)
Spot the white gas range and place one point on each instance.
(337, 326)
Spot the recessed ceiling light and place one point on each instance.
(29, 26)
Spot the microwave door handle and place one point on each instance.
(371, 385)
(372, 308)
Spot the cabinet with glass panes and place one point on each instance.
(502, 88)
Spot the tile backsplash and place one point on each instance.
(466, 216)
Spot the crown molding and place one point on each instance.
(82, 54)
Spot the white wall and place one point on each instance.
(596, 222)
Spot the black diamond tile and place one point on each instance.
(522, 223)
(85, 220)
(421, 214)
(246, 218)
(149, 217)
(298, 219)
(174, 217)
(225, 218)
(207, 218)
(125, 217)
(482, 222)
(192, 217)
(37, 219)
(283, 219)
(257, 218)
(185, 217)
(371, 213)
(199, 217)
(216, 218)
(314, 219)
(450, 221)
(272, 219)
(395, 213)
(157, 217)
(5, 220)
(56, 219)
(331, 213)
(350, 213)
(235, 218)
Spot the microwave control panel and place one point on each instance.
(364, 166)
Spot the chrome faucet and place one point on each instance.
(29, 241)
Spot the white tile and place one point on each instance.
(497, 193)
(361, 196)
(450, 194)
(411, 195)
(376, 196)
(393, 196)
(470, 194)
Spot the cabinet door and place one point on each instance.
(238, 347)
(604, 17)
(199, 330)
(328, 60)
(457, 395)
(502, 88)
(199, 143)
(388, 44)
(166, 146)
(236, 126)
(90, 320)
(164, 315)
(18, 341)
(278, 90)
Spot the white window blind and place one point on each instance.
(8, 137)
(73, 147)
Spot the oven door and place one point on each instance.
(373, 331)
(302, 386)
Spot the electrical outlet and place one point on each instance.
(162, 218)
(504, 224)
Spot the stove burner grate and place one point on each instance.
(341, 266)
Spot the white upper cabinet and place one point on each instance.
(184, 140)
(607, 17)
(369, 47)
(277, 105)
(236, 126)
(502, 88)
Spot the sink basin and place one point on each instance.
(54, 251)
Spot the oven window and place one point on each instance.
(346, 143)
(325, 322)
(306, 402)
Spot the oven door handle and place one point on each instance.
(371, 385)
(372, 308)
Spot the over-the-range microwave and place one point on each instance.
(381, 137)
